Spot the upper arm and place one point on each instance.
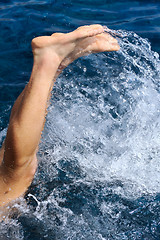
(17, 168)
(19, 145)
(15, 181)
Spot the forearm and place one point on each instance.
(26, 123)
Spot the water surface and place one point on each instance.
(98, 176)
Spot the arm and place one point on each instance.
(27, 119)
(24, 132)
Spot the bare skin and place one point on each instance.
(51, 55)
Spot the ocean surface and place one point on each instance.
(99, 158)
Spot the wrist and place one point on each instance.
(47, 59)
(46, 62)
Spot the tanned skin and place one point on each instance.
(18, 160)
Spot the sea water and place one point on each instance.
(99, 172)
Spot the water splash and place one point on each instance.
(109, 122)
(99, 171)
(113, 32)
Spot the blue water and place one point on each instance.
(98, 176)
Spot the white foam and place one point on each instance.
(125, 147)
(103, 135)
